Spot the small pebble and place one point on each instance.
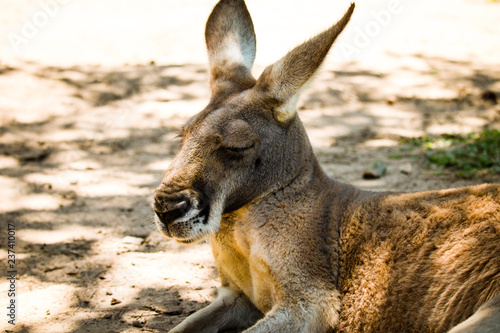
(376, 170)
(132, 240)
(391, 100)
(114, 301)
(406, 168)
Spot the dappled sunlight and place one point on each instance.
(463, 126)
(65, 233)
(163, 268)
(16, 196)
(114, 187)
(378, 184)
(377, 143)
(45, 301)
(33, 202)
(8, 162)
(175, 112)
(159, 165)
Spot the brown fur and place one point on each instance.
(418, 259)
(298, 251)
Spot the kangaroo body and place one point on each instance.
(396, 259)
(298, 251)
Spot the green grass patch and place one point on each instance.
(469, 156)
(396, 156)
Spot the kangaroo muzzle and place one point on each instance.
(178, 213)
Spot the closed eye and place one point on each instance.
(238, 149)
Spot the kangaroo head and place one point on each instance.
(248, 141)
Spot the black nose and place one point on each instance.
(170, 210)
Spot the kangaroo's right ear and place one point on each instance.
(230, 39)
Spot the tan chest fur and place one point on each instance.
(242, 262)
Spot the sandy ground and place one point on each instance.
(91, 99)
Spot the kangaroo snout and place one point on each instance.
(171, 205)
(179, 211)
(170, 210)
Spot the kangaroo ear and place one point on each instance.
(282, 82)
(230, 39)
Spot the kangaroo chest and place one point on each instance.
(244, 266)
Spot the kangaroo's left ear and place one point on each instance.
(282, 82)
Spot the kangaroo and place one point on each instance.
(298, 251)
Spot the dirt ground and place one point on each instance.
(88, 126)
